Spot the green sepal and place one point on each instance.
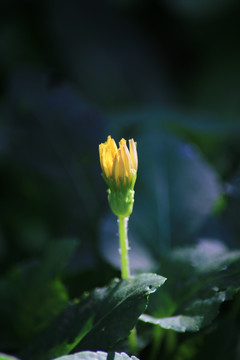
(121, 196)
(121, 203)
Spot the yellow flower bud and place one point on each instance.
(118, 163)
(119, 170)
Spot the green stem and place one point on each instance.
(125, 269)
(132, 340)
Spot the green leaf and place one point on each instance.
(99, 320)
(31, 295)
(178, 323)
(7, 357)
(99, 355)
(179, 191)
(200, 279)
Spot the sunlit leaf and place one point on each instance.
(99, 355)
(200, 279)
(7, 357)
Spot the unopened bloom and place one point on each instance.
(119, 170)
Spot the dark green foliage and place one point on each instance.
(96, 321)
(32, 295)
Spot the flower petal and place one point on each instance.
(133, 153)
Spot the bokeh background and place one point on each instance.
(166, 73)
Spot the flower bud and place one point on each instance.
(119, 170)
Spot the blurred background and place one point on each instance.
(166, 73)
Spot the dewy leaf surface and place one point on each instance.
(98, 355)
(200, 279)
(99, 320)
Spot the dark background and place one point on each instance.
(166, 73)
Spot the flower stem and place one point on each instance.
(132, 340)
(125, 269)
